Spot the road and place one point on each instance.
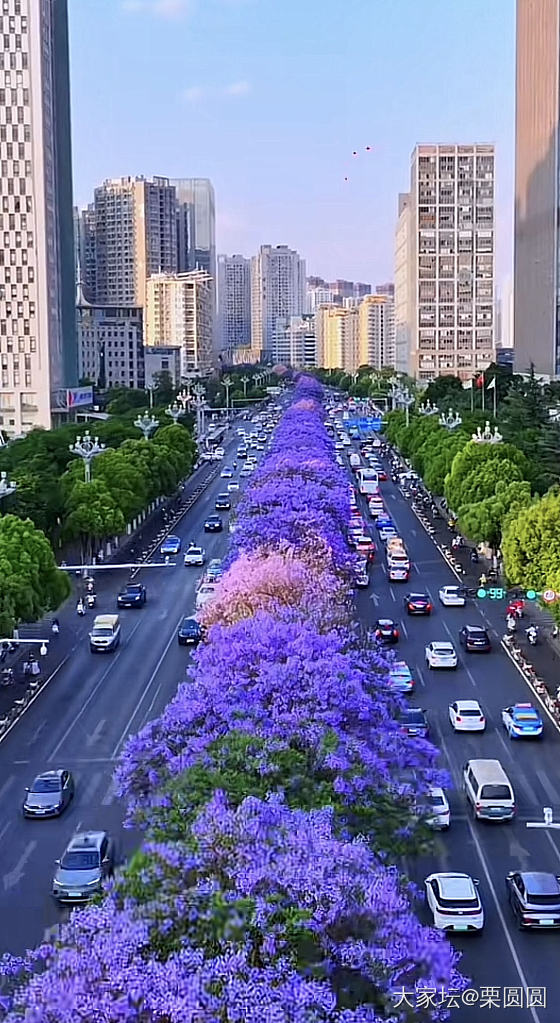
(81, 722)
(502, 956)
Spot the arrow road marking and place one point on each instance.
(13, 877)
(96, 735)
(375, 599)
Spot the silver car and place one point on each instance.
(88, 859)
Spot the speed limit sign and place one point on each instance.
(549, 596)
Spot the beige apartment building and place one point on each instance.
(536, 239)
(38, 353)
(338, 338)
(376, 324)
(444, 263)
(180, 312)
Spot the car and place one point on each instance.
(194, 555)
(214, 570)
(400, 678)
(49, 794)
(418, 604)
(467, 716)
(88, 859)
(132, 595)
(246, 471)
(386, 532)
(213, 524)
(534, 897)
(438, 813)
(522, 721)
(204, 593)
(381, 473)
(242, 452)
(413, 722)
(386, 631)
(171, 545)
(452, 596)
(384, 521)
(475, 639)
(365, 545)
(441, 654)
(189, 632)
(226, 473)
(218, 452)
(361, 577)
(454, 902)
(222, 502)
(233, 485)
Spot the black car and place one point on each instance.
(223, 502)
(133, 595)
(475, 639)
(213, 524)
(242, 452)
(413, 721)
(417, 604)
(49, 794)
(386, 631)
(534, 897)
(190, 632)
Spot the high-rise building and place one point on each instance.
(234, 304)
(84, 249)
(295, 343)
(135, 225)
(179, 312)
(444, 274)
(377, 331)
(196, 235)
(319, 295)
(537, 205)
(110, 344)
(38, 351)
(338, 338)
(277, 290)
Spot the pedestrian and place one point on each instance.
(483, 580)
(26, 668)
(55, 627)
(100, 555)
(35, 668)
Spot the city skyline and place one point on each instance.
(288, 187)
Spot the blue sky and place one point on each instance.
(269, 98)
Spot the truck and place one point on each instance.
(368, 481)
(105, 634)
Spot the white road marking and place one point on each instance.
(392, 592)
(89, 789)
(4, 829)
(549, 788)
(96, 734)
(420, 675)
(37, 733)
(471, 677)
(145, 718)
(126, 730)
(91, 696)
(7, 784)
(32, 701)
(13, 877)
(403, 627)
(110, 795)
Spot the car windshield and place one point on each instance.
(526, 715)
(46, 785)
(471, 903)
(132, 589)
(414, 717)
(437, 801)
(104, 631)
(195, 550)
(469, 712)
(385, 623)
(80, 859)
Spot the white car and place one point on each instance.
(452, 596)
(195, 555)
(204, 594)
(234, 485)
(438, 809)
(467, 716)
(226, 473)
(218, 453)
(454, 902)
(441, 655)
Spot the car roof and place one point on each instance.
(87, 840)
(455, 886)
(171, 537)
(525, 709)
(385, 621)
(475, 628)
(442, 644)
(400, 668)
(49, 774)
(540, 882)
(455, 589)
(417, 596)
(413, 712)
(189, 621)
(468, 704)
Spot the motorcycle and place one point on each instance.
(80, 609)
(532, 634)
(511, 624)
(474, 556)
(91, 600)
(516, 608)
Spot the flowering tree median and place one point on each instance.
(274, 792)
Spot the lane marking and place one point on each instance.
(97, 686)
(471, 677)
(13, 877)
(549, 788)
(32, 701)
(126, 730)
(150, 708)
(420, 675)
(7, 784)
(403, 627)
(110, 795)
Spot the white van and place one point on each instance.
(106, 633)
(355, 460)
(488, 790)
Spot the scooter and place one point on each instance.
(511, 624)
(532, 634)
(91, 600)
(80, 609)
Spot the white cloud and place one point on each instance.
(237, 88)
(158, 8)
(193, 94)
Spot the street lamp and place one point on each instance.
(451, 420)
(6, 488)
(547, 821)
(427, 409)
(175, 412)
(199, 403)
(486, 436)
(87, 447)
(227, 382)
(407, 399)
(245, 381)
(147, 424)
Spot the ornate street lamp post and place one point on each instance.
(147, 424)
(87, 448)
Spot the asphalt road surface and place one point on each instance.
(502, 957)
(82, 720)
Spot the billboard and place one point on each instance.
(79, 396)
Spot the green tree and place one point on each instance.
(93, 515)
(30, 582)
(531, 544)
(476, 469)
(484, 520)
(164, 389)
(445, 389)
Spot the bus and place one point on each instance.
(368, 481)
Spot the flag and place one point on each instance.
(480, 380)
(492, 384)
